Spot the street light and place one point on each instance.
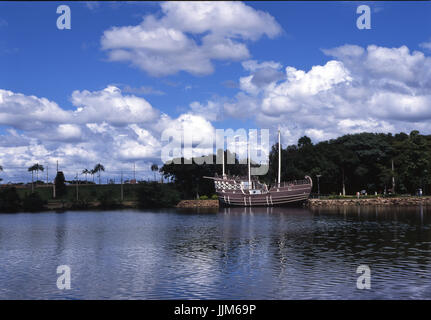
(318, 185)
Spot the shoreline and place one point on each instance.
(68, 205)
(190, 204)
(312, 203)
(378, 201)
(198, 204)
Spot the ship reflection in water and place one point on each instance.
(231, 253)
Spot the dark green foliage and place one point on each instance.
(107, 200)
(189, 178)
(9, 200)
(60, 184)
(32, 202)
(362, 161)
(157, 195)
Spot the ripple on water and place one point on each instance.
(268, 253)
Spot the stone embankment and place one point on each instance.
(198, 204)
(399, 201)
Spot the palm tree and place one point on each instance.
(86, 171)
(154, 168)
(39, 167)
(32, 169)
(92, 172)
(36, 167)
(99, 167)
(1, 169)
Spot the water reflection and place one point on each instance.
(231, 253)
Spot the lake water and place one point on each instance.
(243, 253)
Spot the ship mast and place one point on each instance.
(279, 157)
(248, 157)
(224, 175)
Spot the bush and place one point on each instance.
(60, 184)
(203, 198)
(80, 205)
(107, 200)
(157, 195)
(214, 197)
(9, 200)
(33, 202)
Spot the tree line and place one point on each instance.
(98, 168)
(352, 163)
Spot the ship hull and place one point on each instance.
(274, 197)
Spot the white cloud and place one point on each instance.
(189, 36)
(375, 89)
(107, 126)
(69, 131)
(145, 90)
(242, 106)
(198, 127)
(426, 45)
(17, 108)
(112, 106)
(210, 111)
(253, 65)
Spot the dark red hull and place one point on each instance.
(288, 192)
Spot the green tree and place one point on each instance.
(33, 202)
(92, 172)
(349, 163)
(36, 167)
(9, 200)
(86, 172)
(188, 178)
(154, 168)
(157, 195)
(60, 184)
(98, 168)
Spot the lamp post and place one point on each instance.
(77, 182)
(318, 185)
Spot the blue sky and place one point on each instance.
(32, 47)
(38, 60)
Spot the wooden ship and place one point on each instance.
(247, 192)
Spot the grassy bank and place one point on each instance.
(88, 192)
(88, 196)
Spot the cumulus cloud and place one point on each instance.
(17, 108)
(106, 126)
(211, 111)
(189, 36)
(112, 106)
(375, 89)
